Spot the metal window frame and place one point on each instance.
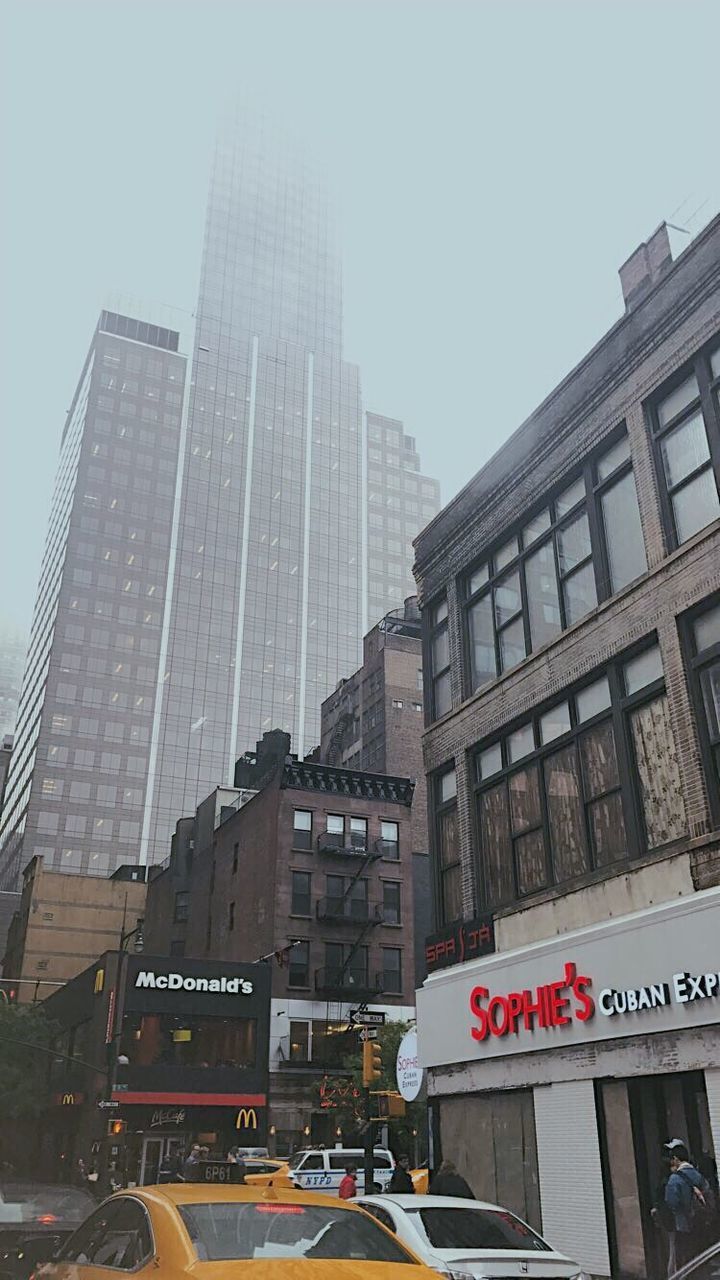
(439, 808)
(618, 714)
(696, 663)
(591, 506)
(708, 401)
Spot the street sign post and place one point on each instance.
(368, 1033)
(367, 1017)
(107, 1104)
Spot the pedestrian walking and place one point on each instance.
(190, 1167)
(448, 1182)
(234, 1156)
(401, 1184)
(348, 1186)
(689, 1197)
(663, 1217)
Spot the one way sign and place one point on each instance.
(367, 1017)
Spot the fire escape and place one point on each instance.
(350, 980)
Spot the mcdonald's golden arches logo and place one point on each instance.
(68, 1100)
(246, 1118)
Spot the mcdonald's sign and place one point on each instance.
(246, 1118)
(69, 1099)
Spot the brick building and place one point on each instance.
(314, 856)
(374, 721)
(571, 614)
(63, 922)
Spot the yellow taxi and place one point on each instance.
(266, 1172)
(223, 1232)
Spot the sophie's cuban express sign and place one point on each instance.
(574, 998)
(464, 940)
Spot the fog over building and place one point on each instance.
(206, 570)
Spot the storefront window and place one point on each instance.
(158, 1039)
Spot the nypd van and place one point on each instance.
(323, 1170)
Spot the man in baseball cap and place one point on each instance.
(689, 1198)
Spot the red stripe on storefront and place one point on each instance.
(192, 1099)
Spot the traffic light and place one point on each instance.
(371, 1062)
(391, 1106)
(116, 1128)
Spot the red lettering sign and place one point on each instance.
(555, 1004)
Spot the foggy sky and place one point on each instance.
(495, 162)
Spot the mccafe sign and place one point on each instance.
(147, 979)
(655, 971)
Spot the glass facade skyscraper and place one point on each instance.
(260, 589)
(268, 593)
(401, 501)
(76, 785)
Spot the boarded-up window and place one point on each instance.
(565, 814)
(601, 783)
(500, 1162)
(659, 774)
(451, 887)
(526, 819)
(496, 850)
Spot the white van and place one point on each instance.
(323, 1169)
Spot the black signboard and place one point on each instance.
(219, 1171)
(464, 940)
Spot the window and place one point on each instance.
(223, 1231)
(390, 839)
(185, 1039)
(182, 906)
(391, 901)
(231, 917)
(686, 428)
(117, 1236)
(299, 965)
(551, 803)
(440, 660)
(346, 965)
(358, 833)
(392, 969)
(582, 547)
(302, 829)
(448, 847)
(54, 787)
(704, 636)
(299, 1042)
(397, 703)
(300, 901)
(236, 858)
(346, 898)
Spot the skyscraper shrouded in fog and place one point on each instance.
(254, 571)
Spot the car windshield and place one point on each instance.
(295, 1160)
(224, 1231)
(45, 1206)
(468, 1228)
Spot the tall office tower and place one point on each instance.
(401, 502)
(267, 597)
(247, 601)
(76, 784)
(13, 646)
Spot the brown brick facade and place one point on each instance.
(675, 319)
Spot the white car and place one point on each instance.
(463, 1239)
